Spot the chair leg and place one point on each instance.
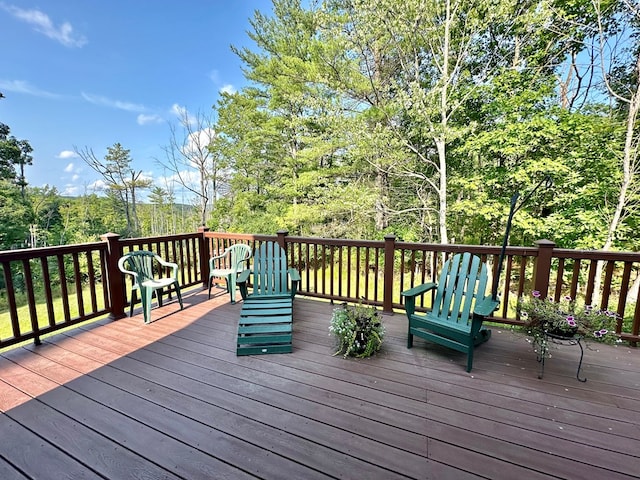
(179, 295)
(231, 287)
(212, 281)
(470, 349)
(469, 360)
(158, 293)
(146, 296)
(132, 302)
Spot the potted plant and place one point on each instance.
(358, 329)
(545, 318)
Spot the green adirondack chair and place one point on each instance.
(228, 266)
(265, 324)
(140, 264)
(459, 307)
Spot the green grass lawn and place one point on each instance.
(24, 315)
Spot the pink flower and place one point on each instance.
(536, 294)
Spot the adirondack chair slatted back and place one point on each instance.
(459, 307)
(462, 280)
(265, 324)
(270, 270)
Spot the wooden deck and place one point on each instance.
(171, 399)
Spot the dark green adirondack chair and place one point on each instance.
(265, 324)
(459, 307)
(140, 264)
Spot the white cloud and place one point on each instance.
(71, 190)
(214, 76)
(75, 178)
(183, 114)
(41, 22)
(21, 86)
(147, 119)
(69, 168)
(228, 88)
(98, 186)
(178, 110)
(108, 102)
(198, 141)
(190, 177)
(67, 154)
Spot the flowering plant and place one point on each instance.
(543, 317)
(358, 329)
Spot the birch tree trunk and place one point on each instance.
(629, 156)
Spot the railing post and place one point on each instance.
(205, 254)
(389, 257)
(282, 235)
(115, 284)
(542, 267)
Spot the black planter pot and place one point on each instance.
(563, 333)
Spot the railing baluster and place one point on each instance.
(606, 289)
(46, 280)
(593, 267)
(31, 299)
(347, 265)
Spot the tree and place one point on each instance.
(9, 153)
(423, 118)
(14, 152)
(122, 181)
(15, 216)
(619, 53)
(45, 203)
(86, 218)
(189, 152)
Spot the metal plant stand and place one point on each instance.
(560, 340)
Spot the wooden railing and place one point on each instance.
(84, 282)
(375, 272)
(46, 289)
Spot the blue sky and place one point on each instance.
(90, 73)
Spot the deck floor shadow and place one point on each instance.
(171, 399)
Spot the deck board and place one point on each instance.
(172, 400)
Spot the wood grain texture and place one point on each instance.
(171, 399)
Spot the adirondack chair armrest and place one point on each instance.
(243, 278)
(411, 294)
(242, 281)
(486, 307)
(294, 275)
(419, 290)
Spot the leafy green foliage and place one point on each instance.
(358, 122)
(15, 216)
(358, 329)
